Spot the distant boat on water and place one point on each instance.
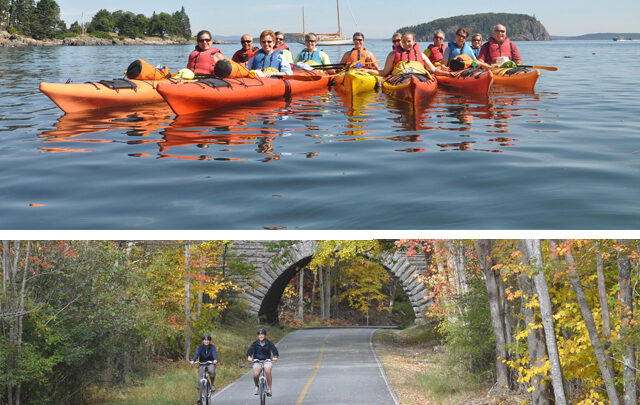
(622, 39)
(326, 39)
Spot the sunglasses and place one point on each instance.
(476, 40)
(461, 36)
(358, 39)
(310, 40)
(245, 41)
(395, 40)
(266, 42)
(440, 38)
(279, 39)
(502, 31)
(204, 39)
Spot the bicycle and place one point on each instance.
(206, 391)
(262, 382)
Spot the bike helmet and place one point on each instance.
(206, 336)
(261, 330)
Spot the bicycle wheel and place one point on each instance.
(204, 393)
(263, 392)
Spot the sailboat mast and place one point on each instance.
(339, 28)
(304, 31)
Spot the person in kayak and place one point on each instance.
(499, 45)
(359, 54)
(395, 41)
(247, 51)
(206, 352)
(476, 44)
(203, 59)
(458, 47)
(409, 59)
(435, 51)
(267, 60)
(262, 349)
(312, 55)
(280, 37)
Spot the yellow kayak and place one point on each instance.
(355, 81)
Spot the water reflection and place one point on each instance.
(483, 119)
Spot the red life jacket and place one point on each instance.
(201, 62)
(356, 56)
(242, 56)
(402, 55)
(437, 53)
(283, 47)
(494, 50)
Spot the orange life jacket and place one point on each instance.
(356, 56)
(202, 62)
(402, 55)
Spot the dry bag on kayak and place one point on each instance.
(141, 69)
(460, 62)
(227, 68)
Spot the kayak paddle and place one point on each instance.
(552, 68)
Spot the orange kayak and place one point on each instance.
(471, 80)
(412, 87)
(517, 77)
(74, 97)
(210, 94)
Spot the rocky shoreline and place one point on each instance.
(8, 40)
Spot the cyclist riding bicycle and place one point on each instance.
(206, 352)
(262, 349)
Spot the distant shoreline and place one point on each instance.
(8, 40)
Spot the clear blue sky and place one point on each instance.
(373, 17)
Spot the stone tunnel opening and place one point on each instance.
(269, 308)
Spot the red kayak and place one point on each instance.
(214, 93)
(413, 87)
(470, 80)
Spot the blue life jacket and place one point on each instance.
(306, 56)
(262, 61)
(454, 51)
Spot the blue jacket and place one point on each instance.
(259, 352)
(206, 353)
(452, 51)
(275, 59)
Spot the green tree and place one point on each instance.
(103, 21)
(183, 24)
(46, 21)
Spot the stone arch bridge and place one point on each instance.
(263, 298)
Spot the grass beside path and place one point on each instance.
(418, 370)
(176, 382)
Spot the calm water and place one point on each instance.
(566, 156)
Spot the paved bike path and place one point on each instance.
(319, 366)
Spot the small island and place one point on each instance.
(520, 27)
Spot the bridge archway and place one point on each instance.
(273, 278)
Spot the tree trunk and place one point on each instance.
(483, 248)
(602, 296)
(187, 300)
(313, 291)
(323, 314)
(392, 294)
(626, 301)
(594, 337)
(301, 295)
(534, 254)
(541, 394)
(327, 298)
(457, 257)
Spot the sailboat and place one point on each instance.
(329, 39)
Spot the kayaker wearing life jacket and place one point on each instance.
(458, 47)
(280, 45)
(247, 51)
(359, 54)
(476, 44)
(204, 58)
(435, 51)
(312, 55)
(271, 63)
(409, 59)
(499, 45)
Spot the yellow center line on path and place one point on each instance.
(306, 387)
